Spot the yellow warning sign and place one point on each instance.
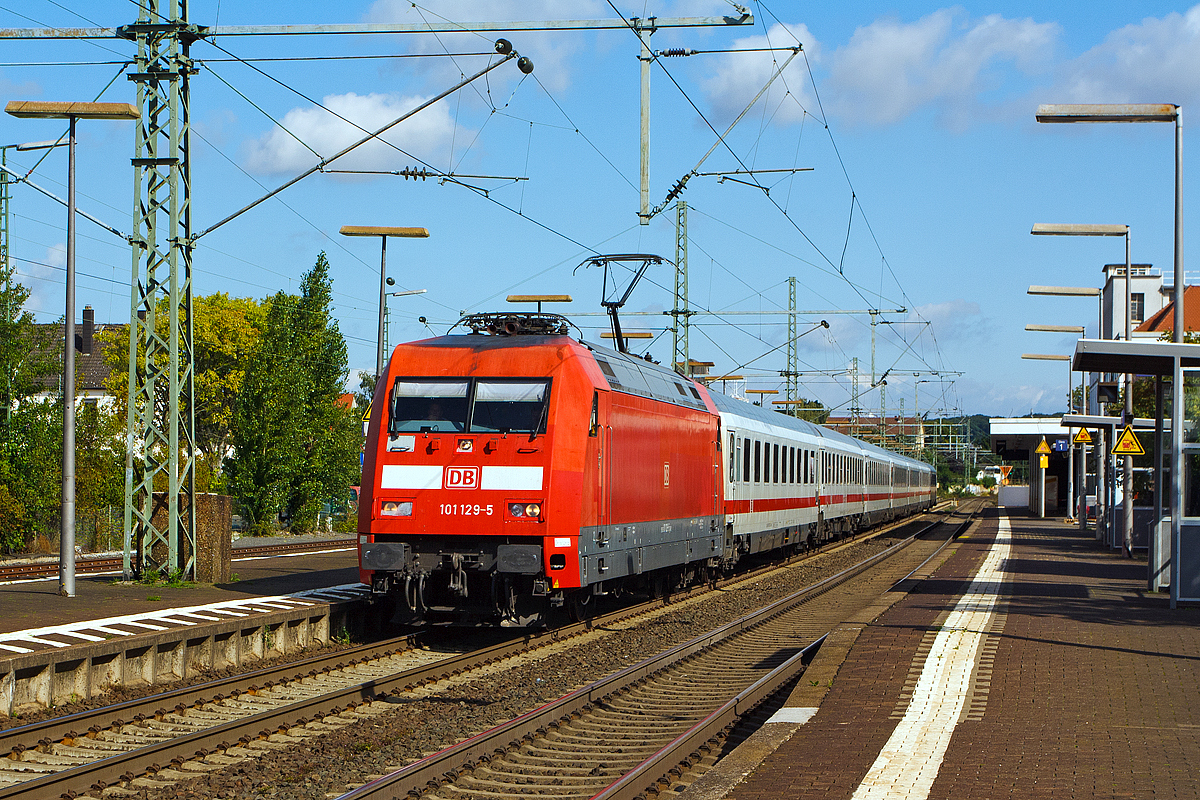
(1044, 462)
(1128, 444)
(367, 413)
(1043, 449)
(1083, 437)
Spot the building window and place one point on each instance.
(1137, 306)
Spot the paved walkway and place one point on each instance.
(1031, 664)
(271, 583)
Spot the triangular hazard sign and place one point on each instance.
(1128, 444)
(367, 413)
(1083, 437)
(1043, 448)
(1004, 472)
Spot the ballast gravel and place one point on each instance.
(324, 759)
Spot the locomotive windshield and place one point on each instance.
(475, 406)
(430, 405)
(509, 407)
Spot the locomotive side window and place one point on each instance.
(510, 407)
(594, 425)
(429, 405)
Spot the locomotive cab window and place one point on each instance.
(429, 405)
(510, 406)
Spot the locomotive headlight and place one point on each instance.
(392, 508)
(516, 509)
(533, 510)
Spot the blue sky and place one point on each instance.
(919, 117)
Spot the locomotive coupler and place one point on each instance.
(458, 575)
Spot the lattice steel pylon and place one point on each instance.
(160, 432)
(792, 374)
(5, 233)
(680, 353)
(855, 408)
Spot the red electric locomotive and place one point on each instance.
(505, 475)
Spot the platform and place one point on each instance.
(54, 649)
(1028, 663)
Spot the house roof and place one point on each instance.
(92, 373)
(1164, 320)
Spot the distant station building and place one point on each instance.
(1147, 297)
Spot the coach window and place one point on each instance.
(775, 462)
(791, 465)
(757, 461)
(746, 461)
(429, 405)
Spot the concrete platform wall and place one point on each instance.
(54, 676)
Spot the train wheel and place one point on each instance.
(580, 605)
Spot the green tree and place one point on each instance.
(30, 430)
(811, 410)
(295, 446)
(226, 332)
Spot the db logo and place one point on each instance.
(462, 477)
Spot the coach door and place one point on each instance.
(733, 460)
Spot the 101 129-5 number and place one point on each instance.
(467, 510)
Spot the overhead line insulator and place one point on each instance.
(677, 52)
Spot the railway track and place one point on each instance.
(161, 736)
(107, 564)
(621, 737)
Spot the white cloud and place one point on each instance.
(945, 60)
(44, 278)
(1006, 399)
(427, 135)
(740, 76)
(1155, 61)
(956, 320)
(24, 89)
(550, 51)
(56, 255)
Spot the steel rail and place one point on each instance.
(113, 563)
(443, 766)
(651, 771)
(150, 758)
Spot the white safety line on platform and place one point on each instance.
(796, 716)
(909, 762)
(84, 631)
(293, 555)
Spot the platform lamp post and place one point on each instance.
(1083, 291)
(1044, 229)
(1148, 112)
(383, 233)
(1077, 330)
(37, 109)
